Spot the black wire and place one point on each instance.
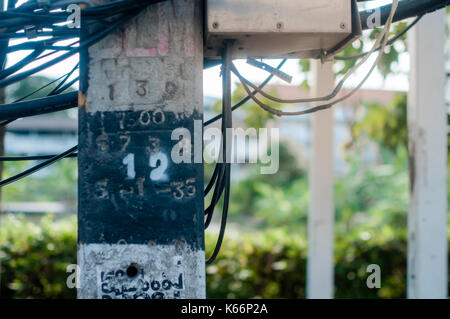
(55, 90)
(37, 167)
(405, 10)
(39, 89)
(247, 98)
(31, 158)
(224, 182)
(218, 191)
(224, 218)
(67, 85)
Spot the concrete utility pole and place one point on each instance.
(140, 214)
(427, 125)
(320, 263)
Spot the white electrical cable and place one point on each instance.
(380, 54)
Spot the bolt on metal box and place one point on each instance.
(280, 28)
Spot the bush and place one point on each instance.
(273, 265)
(34, 257)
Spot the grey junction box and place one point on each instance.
(280, 28)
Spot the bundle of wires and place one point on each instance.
(220, 179)
(38, 19)
(17, 23)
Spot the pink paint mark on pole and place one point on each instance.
(131, 49)
(130, 42)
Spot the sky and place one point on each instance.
(212, 84)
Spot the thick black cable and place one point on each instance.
(6, 122)
(227, 119)
(39, 106)
(217, 194)
(406, 9)
(224, 217)
(218, 180)
(212, 181)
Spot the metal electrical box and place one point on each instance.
(280, 28)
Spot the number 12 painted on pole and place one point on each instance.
(158, 161)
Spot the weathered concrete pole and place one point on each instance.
(140, 217)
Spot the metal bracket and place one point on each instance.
(264, 66)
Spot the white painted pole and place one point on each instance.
(320, 264)
(427, 125)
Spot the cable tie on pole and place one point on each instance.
(31, 31)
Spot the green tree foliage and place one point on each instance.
(385, 124)
(265, 198)
(373, 196)
(34, 257)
